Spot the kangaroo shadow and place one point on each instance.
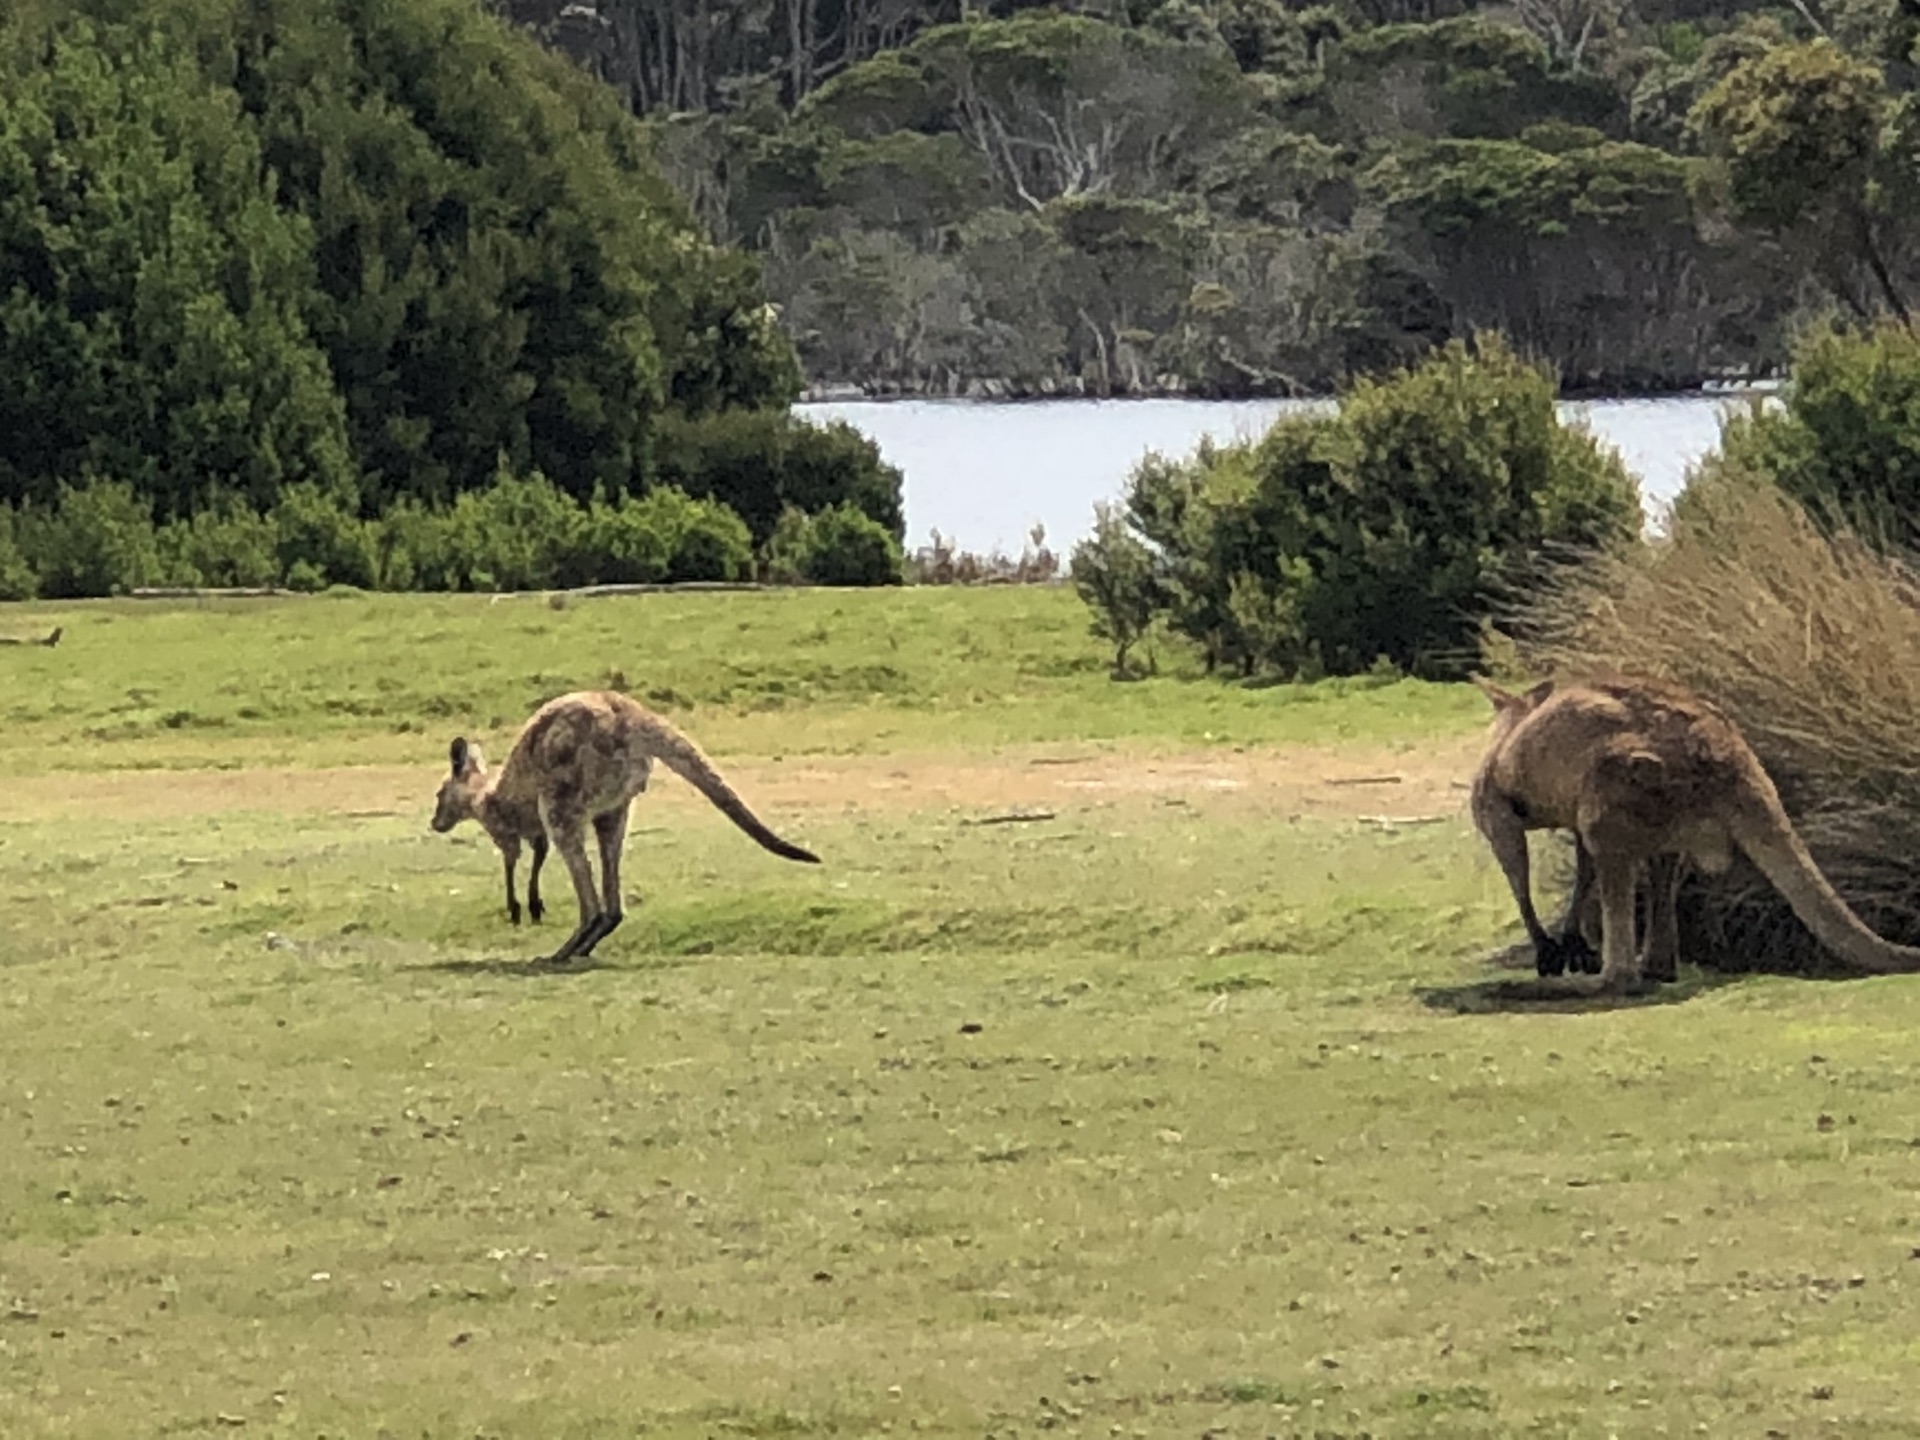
(1566, 995)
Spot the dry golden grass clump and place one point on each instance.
(1809, 639)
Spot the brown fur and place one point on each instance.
(1642, 770)
(579, 761)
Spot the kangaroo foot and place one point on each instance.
(1557, 955)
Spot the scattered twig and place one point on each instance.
(1364, 779)
(1394, 822)
(1062, 760)
(1018, 817)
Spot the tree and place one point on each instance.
(1114, 575)
(1799, 130)
(1391, 530)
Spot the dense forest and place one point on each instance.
(1262, 196)
(337, 292)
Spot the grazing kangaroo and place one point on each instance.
(1642, 770)
(583, 758)
(1571, 944)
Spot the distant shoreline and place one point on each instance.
(1001, 393)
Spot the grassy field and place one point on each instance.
(1189, 1103)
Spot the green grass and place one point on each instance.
(1155, 1119)
(350, 678)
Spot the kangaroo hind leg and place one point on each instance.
(567, 835)
(611, 830)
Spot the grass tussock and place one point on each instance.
(1809, 639)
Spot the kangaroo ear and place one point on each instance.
(459, 755)
(1502, 700)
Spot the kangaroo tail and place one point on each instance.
(680, 755)
(1762, 829)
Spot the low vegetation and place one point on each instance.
(1381, 535)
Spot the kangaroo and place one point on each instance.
(583, 758)
(1571, 943)
(1643, 770)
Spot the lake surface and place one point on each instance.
(984, 474)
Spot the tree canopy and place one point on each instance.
(1233, 196)
(374, 248)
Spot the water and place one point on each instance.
(985, 474)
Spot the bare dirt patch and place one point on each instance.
(1312, 780)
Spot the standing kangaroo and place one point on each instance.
(1572, 943)
(1641, 771)
(583, 758)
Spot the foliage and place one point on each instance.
(258, 251)
(522, 532)
(154, 298)
(17, 578)
(761, 462)
(1816, 150)
(1386, 532)
(97, 538)
(837, 546)
(978, 207)
(226, 544)
(1113, 574)
(1846, 440)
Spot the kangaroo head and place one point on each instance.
(1510, 709)
(461, 791)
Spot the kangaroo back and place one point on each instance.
(680, 755)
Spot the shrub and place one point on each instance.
(229, 545)
(17, 580)
(839, 546)
(1385, 534)
(319, 540)
(667, 536)
(1847, 440)
(418, 549)
(520, 533)
(1113, 573)
(97, 539)
(1810, 642)
(761, 462)
(714, 544)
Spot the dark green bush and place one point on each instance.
(667, 536)
(760, 462)
(841, 545)
(17, 580)
(97, 538)
(320, 541)
(228, 545)
(1388, 532)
